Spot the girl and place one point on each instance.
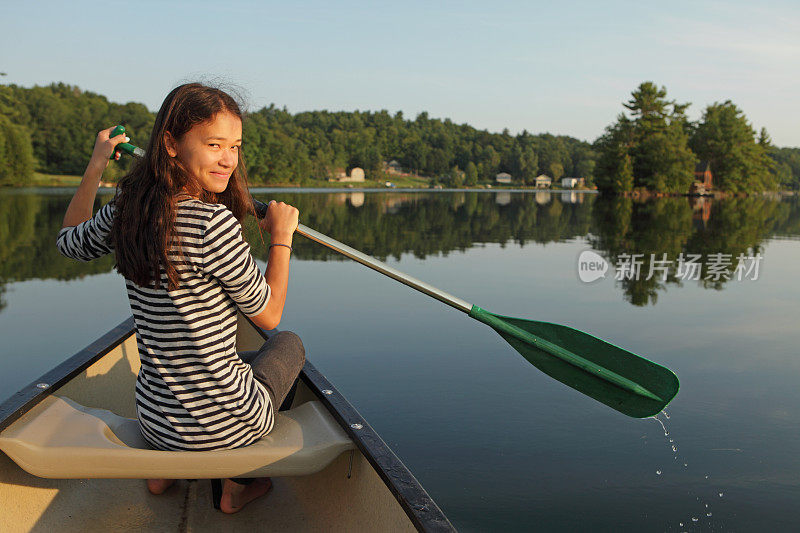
(174, 227)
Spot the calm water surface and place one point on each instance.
(498, 444)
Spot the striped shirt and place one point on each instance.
(193, 391)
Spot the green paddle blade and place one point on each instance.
(618, 378)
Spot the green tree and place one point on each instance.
(16, 154)
(663, 160)
(740, 162)
(550, 150)
(528, 163)
(787, 165)
(557, 170)
(471, 175)
(653, 142)
(457, 177)
(614, 171)
(585, 168)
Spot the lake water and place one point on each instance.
(498, 444)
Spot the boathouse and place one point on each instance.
(356, 175)
(392, 167)
(571, 183)
(702, 174)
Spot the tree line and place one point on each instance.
(652, 146)
(51, 129)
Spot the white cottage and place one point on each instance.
(571, 183)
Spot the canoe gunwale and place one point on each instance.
(420, 508)
(409, 493)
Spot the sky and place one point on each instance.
(559, 67)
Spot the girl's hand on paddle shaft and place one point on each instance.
(104, 147)
(281, 221)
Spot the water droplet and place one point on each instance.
(666, 414)
(685, 465)
(695, 519)
(666, 433)
(720, 494)
(680, 524)
(706, 506)
(671, 440)
(674, 448)
(658, 472)
(706, 476)
(708, 514)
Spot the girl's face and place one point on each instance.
(210, 150)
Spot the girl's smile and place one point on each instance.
(209, 151)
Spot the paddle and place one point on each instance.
(611, 375)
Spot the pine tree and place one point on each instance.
(739, 161)
(651, 146)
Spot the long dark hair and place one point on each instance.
(146, 202)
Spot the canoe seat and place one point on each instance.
(64, 440)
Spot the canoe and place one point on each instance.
(72, 459)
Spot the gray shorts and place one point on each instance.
(277, 364)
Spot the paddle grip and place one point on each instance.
(261, 208)
(121, 147)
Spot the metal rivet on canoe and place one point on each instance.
(42, 385)
(356, 426)
(327, 391)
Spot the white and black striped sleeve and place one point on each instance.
(226, 256)
(88, 240)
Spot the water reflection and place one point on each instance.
(423, 224)
(670, 229)
(29, 223)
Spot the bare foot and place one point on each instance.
(158, 486)
(236, 496)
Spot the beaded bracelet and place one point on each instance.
(280, 244)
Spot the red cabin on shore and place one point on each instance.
(702, 174)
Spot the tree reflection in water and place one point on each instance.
(420, 223)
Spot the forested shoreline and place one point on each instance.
(653, 147)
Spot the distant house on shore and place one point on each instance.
(356, 175)
(392, 167)
(543, 182)
(702, 174)
(571, 183)
(503, 177)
